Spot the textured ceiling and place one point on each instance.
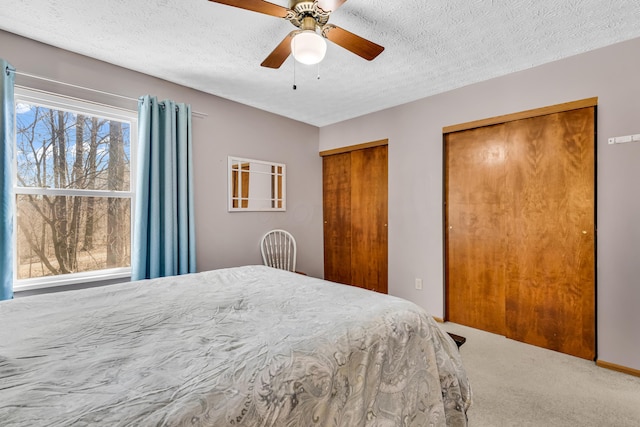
(430, 46)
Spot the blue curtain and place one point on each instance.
(164, 236)
(7, 123)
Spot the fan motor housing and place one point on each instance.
(307, 9)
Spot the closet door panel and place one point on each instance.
(336, 170)
(369, 218)
(475, 228)
(550, 295)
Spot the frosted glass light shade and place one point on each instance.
(308, 47)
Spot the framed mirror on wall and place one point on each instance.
(256, 185)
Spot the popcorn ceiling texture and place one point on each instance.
(430, 46)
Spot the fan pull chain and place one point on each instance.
(318, 77)
(294, 75)
(294, 68)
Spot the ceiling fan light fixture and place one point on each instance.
(308, 47)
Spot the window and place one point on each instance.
(74, 190)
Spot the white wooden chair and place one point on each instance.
(278, 249)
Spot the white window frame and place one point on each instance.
(74, 105)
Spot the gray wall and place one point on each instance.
(223, 239)
(415, 178)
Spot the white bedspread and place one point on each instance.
(248, 346)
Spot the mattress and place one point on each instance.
(246, 346)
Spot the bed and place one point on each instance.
(246, 346)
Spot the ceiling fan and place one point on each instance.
(307, 43)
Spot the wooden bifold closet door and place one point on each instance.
(355, 217)
(520, 229)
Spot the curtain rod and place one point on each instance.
(128, 98)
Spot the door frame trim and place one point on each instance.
(558, 108)
(350, 148)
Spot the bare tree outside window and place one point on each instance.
(73, 195)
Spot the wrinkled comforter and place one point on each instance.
(247, 346)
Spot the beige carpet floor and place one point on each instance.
(516, 384)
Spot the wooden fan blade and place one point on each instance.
(356, 44)
(330, 5)
(280, 53)
(256, 6)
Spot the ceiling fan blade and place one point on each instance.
(280, 53)
(257, 6)
(356, 44)
(330, 5)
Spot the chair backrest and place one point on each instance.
(278, 249)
